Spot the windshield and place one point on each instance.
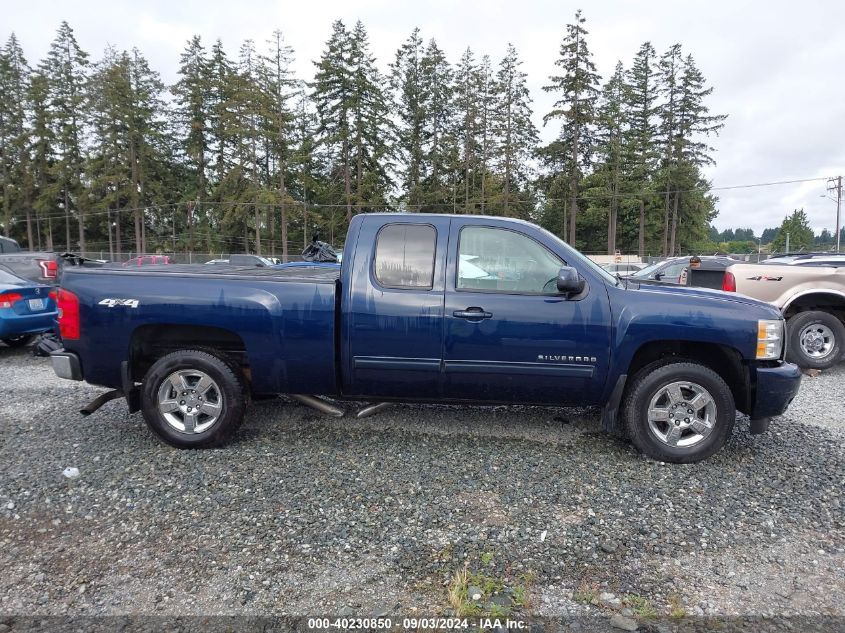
(583, 259)
(648, 270)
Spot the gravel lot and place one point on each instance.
(310, 515)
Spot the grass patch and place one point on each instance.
(587, 593)
(489, 589)
(640, 606)
(676, 607)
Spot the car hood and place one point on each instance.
(699, 294)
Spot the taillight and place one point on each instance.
(729, 282)
(49, 268)
(8, 299)
(68, 314)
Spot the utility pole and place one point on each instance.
(787, 242)
(835, 185)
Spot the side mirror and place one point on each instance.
(259, 265)
(569, 281)
(658, 276)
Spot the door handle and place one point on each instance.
(472, 313)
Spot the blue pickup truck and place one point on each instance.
(427, 308)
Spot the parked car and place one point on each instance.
(39, 267)
(249, 260)
(808, 259)
(811, 298)
(26, 309)
(622, 269)
(148, 260)
(671, 270)
(418, 312)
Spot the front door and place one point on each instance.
(509, 335)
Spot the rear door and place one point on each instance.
(509, 335)
(393, 319)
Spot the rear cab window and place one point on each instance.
(404, 256)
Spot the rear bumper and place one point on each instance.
(775, 389)
(66, 365)
(12, 324)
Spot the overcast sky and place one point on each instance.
(777, 67)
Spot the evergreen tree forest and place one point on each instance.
(97, 154)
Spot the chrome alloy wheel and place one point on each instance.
(190, 401)
(682, 414)
(816, 340)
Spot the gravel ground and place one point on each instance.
(305, 514)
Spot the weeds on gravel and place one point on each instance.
(587, 593)
(640, 606)
(491, 597)
(676, 607)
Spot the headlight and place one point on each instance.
(769, 339)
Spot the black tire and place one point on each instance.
(648, 382)
(232, 398)
(798, 325)
(18, 341)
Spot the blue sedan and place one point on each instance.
(26, 308)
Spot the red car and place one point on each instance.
(148, 260)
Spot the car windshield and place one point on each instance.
(648, 270)
(9, 279)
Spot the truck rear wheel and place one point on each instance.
(678, 411)
(193, 399)
(814, 339)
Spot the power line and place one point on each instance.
(297, 205)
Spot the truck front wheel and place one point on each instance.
(814, 339)
(193, 399)
(678, 411)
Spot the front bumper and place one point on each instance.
(776, 387)
(66, 365)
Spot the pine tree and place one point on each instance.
(488, 99)
(41, 150)
(193, 114)
(351, 99)
(578, 92)
(465, 124)
(797, 225)
(65, 70)
(410, 106)
(641, 143)
(612, 128)
(517, 136)
(687, 123)
(125, 108)
(439, 153)
(332, 95)
(281, 86)
(670, 68)
(14, 99)
(372, 129)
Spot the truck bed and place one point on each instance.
(315, 274)
(282, 320)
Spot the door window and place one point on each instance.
(674, 270)
(405, 256)
(501, 260)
